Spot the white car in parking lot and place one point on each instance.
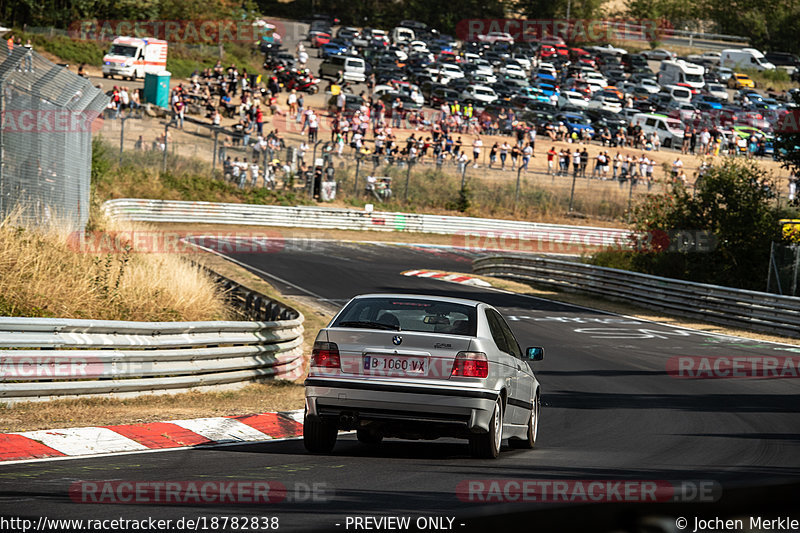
(659, 54)
(479, 93)
(418, 46)
(649, 85)
(449, 71)
(421, 367)
(715, 89)
(549, 68)
(513, 70)
(595, 77)
(573, 98)
(496, 37)
(600, 101)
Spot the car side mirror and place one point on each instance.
(534, 353)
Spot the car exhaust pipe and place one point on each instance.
(347, 420)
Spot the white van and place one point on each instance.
(132, 57)
(674, 72)
(744, 58)
(668, 129)
(354, 69)
(678, 93)
(403, 35)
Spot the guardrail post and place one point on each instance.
(408, 177)
(516, 193)
(121, 136)
(355, 181)
(630, 198)
(166, 147)
(214, 154)
(572, 192)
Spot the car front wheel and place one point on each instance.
(487, 445)
(319, 435)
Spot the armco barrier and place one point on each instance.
(46, 358)
(353, 219)
(712, 303)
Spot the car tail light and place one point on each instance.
(470, 365)
(325, 354)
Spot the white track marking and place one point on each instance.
(221, 429)
(84, 441)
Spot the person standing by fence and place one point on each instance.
(29, 56)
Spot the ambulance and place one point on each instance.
(132, 57)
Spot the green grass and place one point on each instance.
(182, 59)
(72, 51)
(777, 79)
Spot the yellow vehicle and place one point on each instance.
(791, 229)
(741, 81)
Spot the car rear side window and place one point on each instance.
(494, 319)
(419, 315)
(511, 341)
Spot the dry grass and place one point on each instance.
(254, 398)
(184, 290)
(46, 272)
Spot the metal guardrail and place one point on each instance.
(252, 304)
(46, 358)
(712, 303)
(354, 219)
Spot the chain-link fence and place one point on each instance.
(784, 269)
(360, 176)
(46, 138)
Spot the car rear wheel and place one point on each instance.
(533, 429)
(487, 445)
(319, 435)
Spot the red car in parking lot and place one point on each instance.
(320, 38)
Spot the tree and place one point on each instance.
(735, 204)
(787, 143)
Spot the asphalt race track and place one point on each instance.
(610, 412)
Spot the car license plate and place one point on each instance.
(395, 365)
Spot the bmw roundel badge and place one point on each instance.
(397, 339)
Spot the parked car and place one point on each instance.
(659, 54)
(480, 94)
(572, 98)
(741, 81)
(716, 90)
(576, 122)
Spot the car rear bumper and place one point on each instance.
(354, 401)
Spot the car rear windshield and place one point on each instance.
(409, 315)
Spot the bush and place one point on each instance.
(735, 203)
